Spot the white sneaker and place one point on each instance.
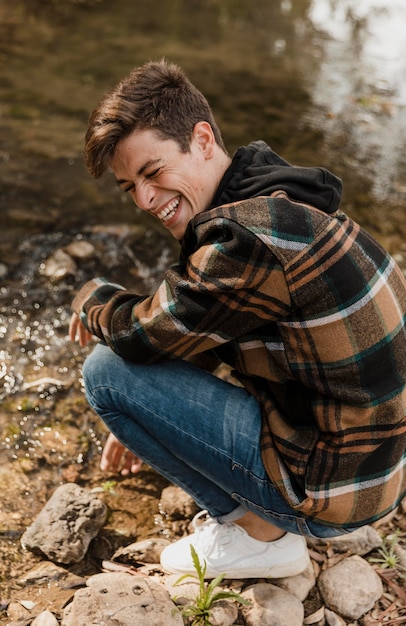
(228, 549)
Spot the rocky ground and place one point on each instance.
(80, 566)
(49, 437)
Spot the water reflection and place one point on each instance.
(373, 30)
(323, 81)
(361, 82)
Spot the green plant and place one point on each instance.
(106, 487)
(199, 613)
(388, 557)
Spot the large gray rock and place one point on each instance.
(123, 600)
(62, 531)
(271, 606)
(351, 587)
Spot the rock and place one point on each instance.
(177, 504)
(80, 249)
(123, 600)
(43, 573)
(46, 618)
(46, 573)
(351, 587)
(16, 611)
(147, 551)
(271, 606)
(300, 585)
(62, 531)
(223, 613)
(58, 265)
(360, 541)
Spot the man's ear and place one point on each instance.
(204, 136)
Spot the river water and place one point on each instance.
(322, 81)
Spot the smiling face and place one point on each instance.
(171, 185)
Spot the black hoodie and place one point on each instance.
(256, 170)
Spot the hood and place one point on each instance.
(256, 170)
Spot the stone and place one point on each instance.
(360, 541)
(43, 573)
(80, 249)
(58, 265)
(64, 528)
(350, 587)
(123, 600)
(271, 606)
(177, 504)
(300, 585)
(46, 618)
(17, 612)
(46, 573)
(223, 613)
(146, 551)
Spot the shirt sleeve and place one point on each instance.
(230, 284)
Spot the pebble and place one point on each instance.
(58, 266)
(46, 618)
(80, 249)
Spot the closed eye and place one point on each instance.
(127, 188)
(153, 173)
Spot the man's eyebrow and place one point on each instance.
(141, 171)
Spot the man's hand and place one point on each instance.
(78, 331)
(117, 458)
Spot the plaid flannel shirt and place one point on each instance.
(310, 311)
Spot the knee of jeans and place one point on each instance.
(94, 366)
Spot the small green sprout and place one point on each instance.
(388, 558)
(106, 487)
(199, 613)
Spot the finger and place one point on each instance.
(136, 465)
(84, 335)
(73, 327)
(113, 454)
(108, 453)
(132, 464)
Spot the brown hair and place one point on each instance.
(157, 95)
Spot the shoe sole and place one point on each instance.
(286, 570)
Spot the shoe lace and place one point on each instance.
(214, 532)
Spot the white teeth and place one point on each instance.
(169, 211)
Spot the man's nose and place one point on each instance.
(145, 195)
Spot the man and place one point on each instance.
(274, 280)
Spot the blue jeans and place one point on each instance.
(200, 432)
